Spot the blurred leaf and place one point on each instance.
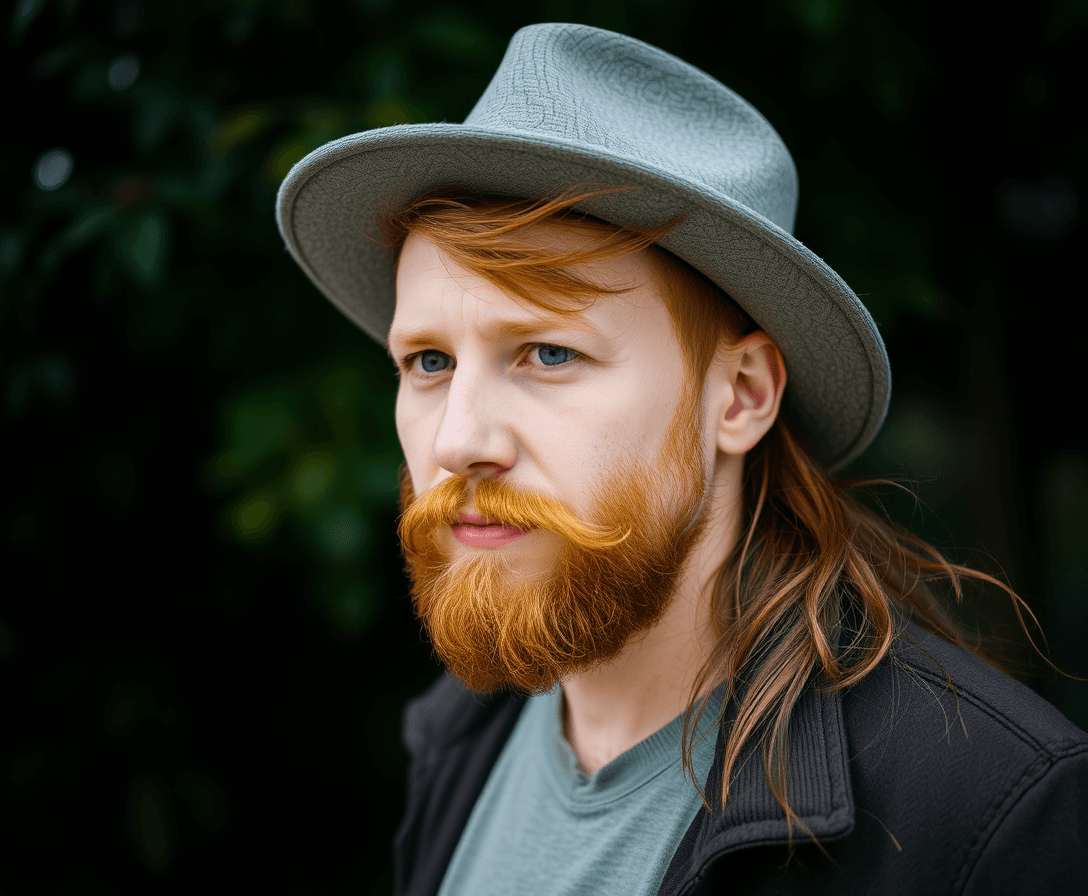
(237, 129)
(257, 426)
(142, 246)
(343, 533)
(1066, 22)
(340, 394)
(822, 17)
(55, 61)
(23, 14)
(87, 225)
(378, 479)
(204, 799)
(216, 175)
(385, 75)
(156, 107)
(123, 72)
(895, 68)
(283, 158)
(203, 118)
(890, 87)
(925, 299)
(314, 474)
(322, 122)
(50, 376)
(291, 461)
(386, 113)
(255, 516)
(153, 825)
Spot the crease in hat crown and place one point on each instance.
(573, 104)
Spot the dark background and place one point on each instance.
(205, 641)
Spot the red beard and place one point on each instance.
(613, 578)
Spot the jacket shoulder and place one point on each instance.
(951, 762)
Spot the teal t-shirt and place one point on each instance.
(542, 827)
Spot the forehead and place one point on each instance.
(433, 291)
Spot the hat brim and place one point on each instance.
(838, 374)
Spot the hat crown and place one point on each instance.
(620, 96)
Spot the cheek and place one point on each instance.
(642, 430)
(414, 439)
(627, 422)
(595, 445)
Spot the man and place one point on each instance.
(682, 660)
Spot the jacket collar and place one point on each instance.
(818, 789)
(819, 781)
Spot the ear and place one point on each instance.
(749, 379)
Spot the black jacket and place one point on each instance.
(912, 787)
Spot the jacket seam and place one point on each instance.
(1041, 747)
(1002, 808)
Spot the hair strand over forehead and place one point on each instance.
(494, 238)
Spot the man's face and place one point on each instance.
(586, 410)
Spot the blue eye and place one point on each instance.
(433, 362)
(554, 355)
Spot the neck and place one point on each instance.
(610, 708)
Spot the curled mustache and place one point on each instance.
(500, 502)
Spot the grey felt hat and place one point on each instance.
(571, 104)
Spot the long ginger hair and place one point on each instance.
(810, 554)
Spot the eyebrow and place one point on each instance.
(425, 337)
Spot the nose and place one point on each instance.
(474, 438)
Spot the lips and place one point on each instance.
(477, 531)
